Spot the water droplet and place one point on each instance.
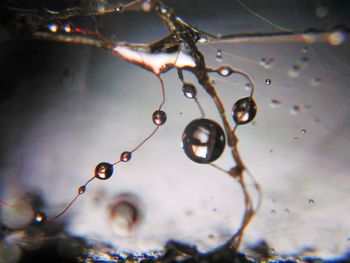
(225, 71)
(67, 28)
(309, 37)
(219, 55)
(303, 131)
(315, 82)
(82, 189)
(54, 27)
(275, 103)
(203, 140)
(294, 71)
(268, 82)
(337, 37)
(311, 201)
(295, 109)
(247, 86)
(211, 237)
(262, 62)
(119, 7)
(125, 156)
(39, 217)
(266, 63)
(202, 39)
(189, 90)
(103, 171)
(321, 11)
(273, 251)
(159, 117)
(244, 110)
(296, 139)
(124, 214)
(146, 6)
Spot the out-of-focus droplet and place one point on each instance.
(262, 62)
(67, 28)
(244, 110)
(311, 201)
(274, 103)
(273, 211)
(309, 37)
(54, 27)
(337, 37)
(295, 109)
(159, 117)
(305, 49)
(82, 189)
(303, 131)
(219, 55)
(248, 87)
(268, 82)
(146, 6)
(119, 7)
(294, 71)
(103, 171)
(125, 214)
(211, 237)
(321, 11)
(315, 82)
(296, 139)
(125, 156)
(39, 217)
(189, 90)
(287, 210)
(10, 252)
(203, 141)
(225, 71)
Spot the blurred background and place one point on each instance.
(65, 108)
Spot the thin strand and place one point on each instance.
(64, 210)
(145, 140)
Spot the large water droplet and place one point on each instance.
(189, 90)
(159, 117)
(125, 156)
(244, 110)
(103, 171)
(225, 71)
(203, 140)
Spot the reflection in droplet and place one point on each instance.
(125, 214)
(315, 82)
(225, 71)
(244, 110)
(159, 117)
(294, 71)
(125, 156)
(268, 82)
(203, 141)
(295, 109)
(275, 103)
(103, 171)
(219, 55)
(189, 90)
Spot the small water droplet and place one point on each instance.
(294, 71)
(275, 103)
(305, 49)
(219, 55)
(268, 82)
(295, 109)
(315, 82)
(296, 139)
(82, 189)
(54, 27)
(159, 117)
(67, 28)
(125, 156)
(311, 201)
(189, 90)
(103, 171)
(262, 62)
(39, 217)
(203, 140)
(303, 131)
(248, 87)
(225, 71)
(244, 110)
(321, 11)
